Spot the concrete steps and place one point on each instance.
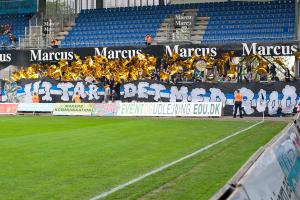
(65, 31)
(199, 29)
(161, 34)
(190, 12)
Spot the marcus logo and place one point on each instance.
(39, 55)
(5, 57)
(181, 20)
(188, 51)
(116, 54)
(284, 50)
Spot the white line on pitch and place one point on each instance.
(119, 187)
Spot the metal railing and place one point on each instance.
(171, 36)
(33, 43)
(34, 38)
(41, 42)
(45, 43)
(102, 44)
(60, 23)
(246, 39)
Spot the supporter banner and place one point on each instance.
(8, 108)
(35, 107)
(273, 99)
(184, 109)
(51, 91)
(46, 56)
(105, 109)
(73, 109)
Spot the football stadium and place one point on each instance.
(149, 99)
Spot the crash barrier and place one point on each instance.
(273, 172)
(159, 109)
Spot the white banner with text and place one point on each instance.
(35, 107)
(83, 109)
(165, 109)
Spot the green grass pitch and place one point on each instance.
(43, 158)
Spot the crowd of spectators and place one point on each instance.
(242, 74)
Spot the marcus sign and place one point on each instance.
(254, 48)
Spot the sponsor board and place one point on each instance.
(163, 109)
(265, 179)
(84, 109)
(276, 173)
(105, 109)
(27, 57)
(35, 107)
(287, 152)
(8, 108)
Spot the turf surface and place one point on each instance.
(80, 157)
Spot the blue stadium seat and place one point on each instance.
(234, 21)
(249, 21)
(18, 23)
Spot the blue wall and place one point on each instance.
(20, 6)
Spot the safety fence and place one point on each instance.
(273, 172)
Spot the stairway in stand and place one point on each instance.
(199, 29)
(166, 30)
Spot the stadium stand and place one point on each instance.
(249, 21)
(245, 21)
(18, 22)
(116, 26)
